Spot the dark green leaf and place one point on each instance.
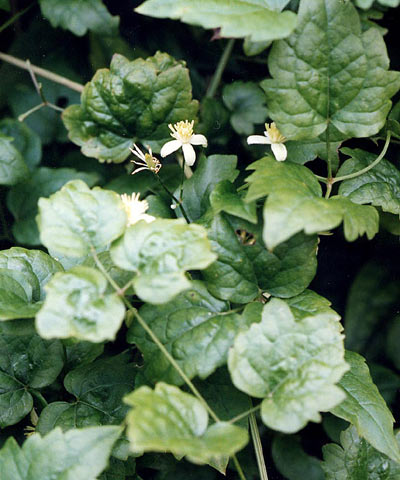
(76, 219)
(209, 172)
(357, 460)
(26, 141)
(80, 16)
(246, 101)
(23, 198)
(366, 409)
(196, 329)
(380, 186)
(231, 276)
(224, 198)
(98, 389)
(13, 169)
(26, 362)
(160, 252)
(292, 363)
(167, 419)
(23, 275)
(77, 306)
(76, 454)
(132, 100)
(79, 353)
(329, 72)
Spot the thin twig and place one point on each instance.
(15, 17)
(17, 62)
(212, 88)
(255, 435)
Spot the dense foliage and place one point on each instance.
(199, 213)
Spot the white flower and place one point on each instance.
(135, 209)
(185, 138)
(147, 161)
(272, 136)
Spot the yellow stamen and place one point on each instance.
(274, 134)
(182, 131)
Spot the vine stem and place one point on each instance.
(39, 397)
(178, 202)
(212, 88)
(17, 62)
(255, 435)
(245, 414)
(164, 351)
(372, 165)
(15, 17)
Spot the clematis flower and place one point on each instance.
(185, 138)
(272, 136)
(135, 209)
(147, 161)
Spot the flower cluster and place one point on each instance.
(135, 209)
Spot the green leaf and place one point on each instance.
(168, 420)
(380, 186)
(374, 298)
(131, 100)
(119, 470)
(13, 169)
(254, 48)
(23, 275)
(77, 306)
(26, 141)
(76, 219)
(160, 252)
(310, 303)
(357, 460)
(368, 3)
(27, 362)
(209, 172)
(294, 204)
(98, 389)
(292, 363)
(246, 101)
(79, 353)
(261, 21)
(80, 16)
(76, 454)
(292, 461)
(365, 408)
(196, 329)
(289, 269)
(22, 199)
(328, 72)
(224, 198)
(5, 5)
(231, 276)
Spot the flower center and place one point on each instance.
(182, 131)
(274, 134)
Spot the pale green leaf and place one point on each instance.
(379, 186)
(292, 363)
(365, 408)
(329, 72)
(295, 204)
(98, 389)
(74, 455)
(246, 101)
(258, 19)
(26, 362)
(160, 252)
(130, 101)
(23, 275)
(13, 168)
(167, 419)
(310, 303)
(79, 16)
(76, 219)
(355, 459)
(77, 306)
(22, 199)
(231, 276)
(196, 329)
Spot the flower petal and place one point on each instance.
(280, 151)
(258, 139)
(199, 140)
(189, 154)
(170, 147)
